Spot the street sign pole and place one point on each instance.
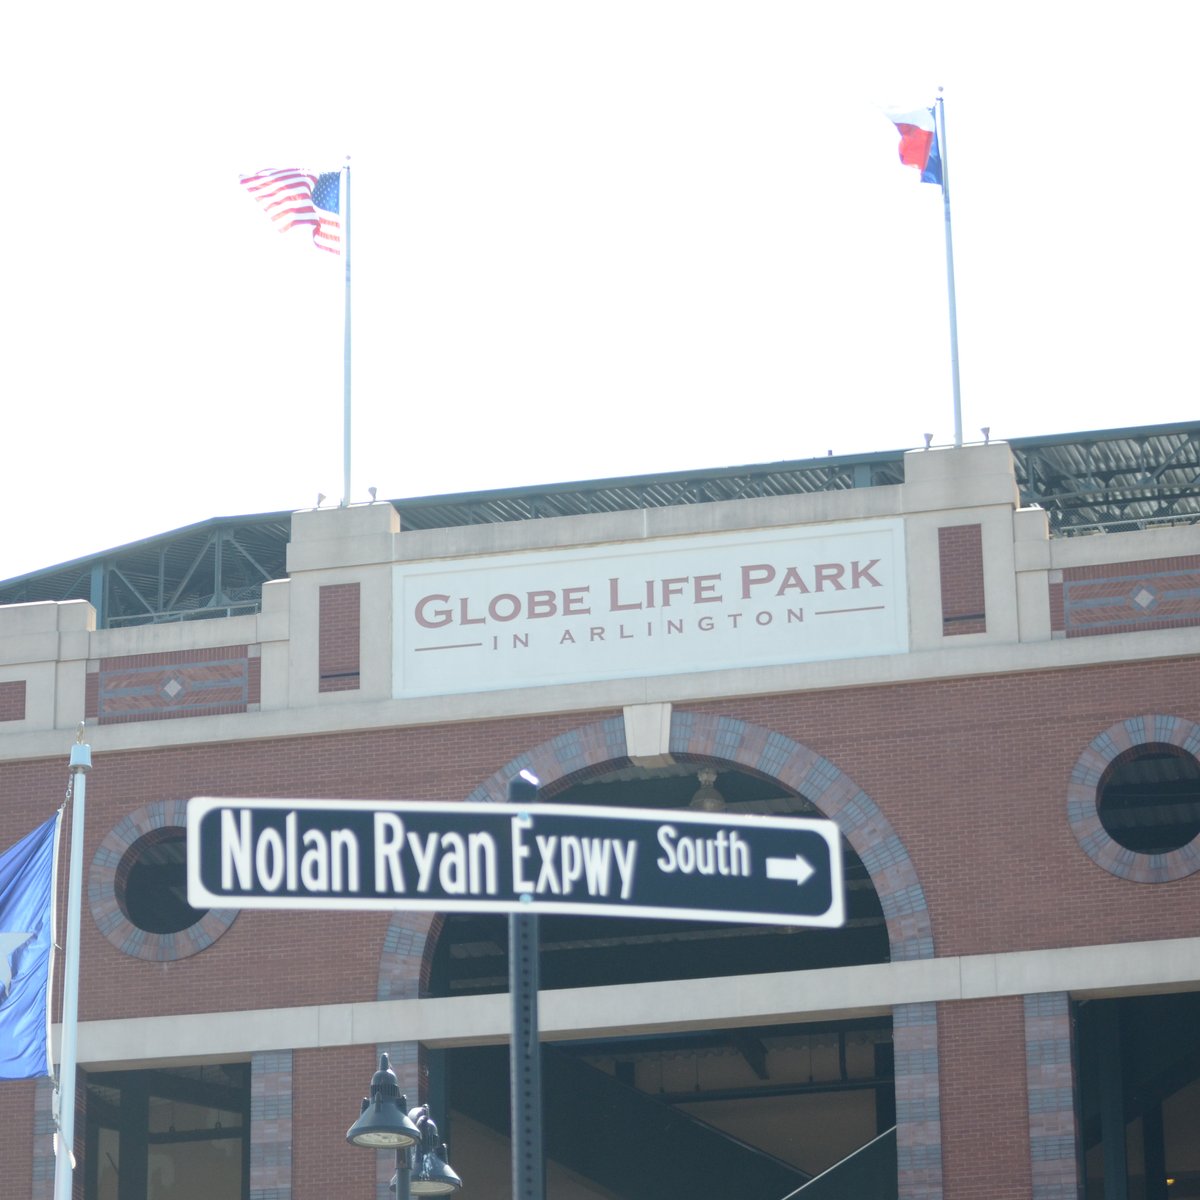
(525, 1051)
(522, 858)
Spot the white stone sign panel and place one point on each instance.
(664, 606)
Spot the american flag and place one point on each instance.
(291, 198)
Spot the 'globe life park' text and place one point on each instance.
(758, 593)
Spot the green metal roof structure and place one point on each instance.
(1100, 482)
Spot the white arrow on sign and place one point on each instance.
(797, 869)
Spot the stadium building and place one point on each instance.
(979, 662)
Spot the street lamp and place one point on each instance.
(383, 1124)
(431, 1175)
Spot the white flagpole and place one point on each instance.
(345, 207)
(64, 1164)
(940, 119)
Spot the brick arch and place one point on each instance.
(593, 749)
(600, 747)
(702, 737)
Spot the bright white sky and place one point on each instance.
(590, 240)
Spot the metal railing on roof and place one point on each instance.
(1107, 481)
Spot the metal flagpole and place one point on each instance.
(346, 346)
(64, 1164)
(941, 138)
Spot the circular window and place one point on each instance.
(151, 883)
(1149, 798)
(137, 888)
(1133, 802)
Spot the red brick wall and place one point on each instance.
(972, 773)
(960, 556)
(985, 1108)
(12, 700)
(16, 1119)
(1058, 619)
(43, 1138)
(270, 958)
(339, 638)
(1156, 593)
(328, 1086)
(182, 683)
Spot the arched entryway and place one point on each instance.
(755, 767)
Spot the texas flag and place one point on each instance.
(919, 143)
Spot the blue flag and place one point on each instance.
(27, 952)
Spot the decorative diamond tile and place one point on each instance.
(172, 688)
(1144, 598)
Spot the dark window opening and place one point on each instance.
(1139, 1097)
(471, 957)
(178, 1134)
(725, 1112)
(1149, 799)
(152, 883)
(732, 1112)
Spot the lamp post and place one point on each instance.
(431, 1174)
(386, 1123)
